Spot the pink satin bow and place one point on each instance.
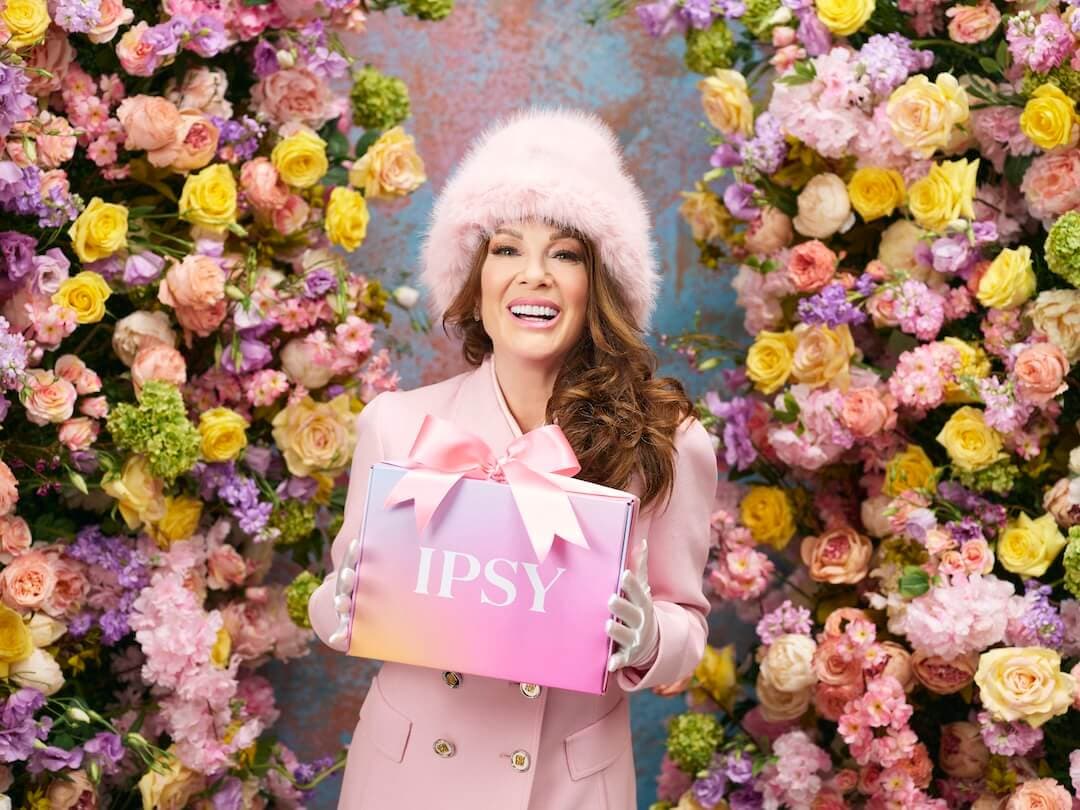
(443, 454)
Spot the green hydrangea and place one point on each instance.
(692, 739)
(711, 48)
(758, 15)
(1063, 77)
(158, 428)
(298, 594)
(378, 101)
(997, 478)
(429, 9)
(294, 520)
(1072, 562)
(1063, 248)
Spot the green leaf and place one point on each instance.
(50, 526)
(989, 65)
(78, 481)
(365, 141)
(337, 176)
(337, 146)
(1016, 167)
(1001, 55)
(914, 582)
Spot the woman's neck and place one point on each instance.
(526, 387)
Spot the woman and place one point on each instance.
(539, 256)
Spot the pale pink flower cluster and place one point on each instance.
(760, 295)
(968, 614)
(819, 436)
(875, 725)
(921, 375)
(794, 780)
(1070, 616)
(739, 571)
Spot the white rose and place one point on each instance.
(898, 242)
(1056, 313)
(1074, 461)
(406, 296)
(39, 671)
(788, 665)
(44, 629)
(824, 207)
(299, 364)
(139, 330)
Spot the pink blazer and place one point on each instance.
(427, 739)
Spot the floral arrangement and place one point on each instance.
(183, 351)
(896, 187)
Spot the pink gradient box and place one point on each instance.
(468, 594)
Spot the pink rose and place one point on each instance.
(835, 666)
(770, 233)
(49, 398)
(1040, 794)
(1075, 672)
(71, 588)
(79, 433)
(1040, 372)
(202, 320)
(197, 281)
(950, 563)
(69, 367)
(151, 123)
(140, 329)
(840, 556)
(28, 581)
(225, 567)
(113, 15)
(203, 89)
(158, 362)
(866, 412)
(830, 699)
(1051, 184)
(881, 306)
(53, 138)
(827, 800)
(1059, 503)
(9, 489)
(137, 56)
(941, 676)
(963, 754)
(977, 556)
(291, 216)
(811, 266)
(897, 664)
(197, 140)
(15, 536)
(262, 186)
(294, 94)
(88, 383)
(971, 24)
(302, 363)
(248, 624)
(94, 407)
(51, 57)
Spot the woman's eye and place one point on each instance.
(571, 256)
(499, 250)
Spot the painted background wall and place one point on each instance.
(487, 58)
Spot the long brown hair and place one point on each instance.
(617, 416)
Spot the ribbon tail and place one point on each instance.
(426, 489)
(545, 509)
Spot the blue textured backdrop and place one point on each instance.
(489, 57)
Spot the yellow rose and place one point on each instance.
(1028, 547)
(715, 674)
(301, 159)
(16, 643)
(86, 294)
(823, 355)
(181, 520)
(726, 102)
(768, 363)
(219, 653)
(944, 195)
(1024, 683)
(844, 17)
(911, 468)
(705, 214)
(876, 193)
(209, 198)
(766, 512)
(1009, 281)
(1049, 118)
(26, 22)
(170, 785)
(100, 230)
(346, 218)
(970, 443)
(139, 493)
(974, 364)
(389, 168)
(316, 436)
(922, 115)
(223, 435)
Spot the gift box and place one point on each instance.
(499, 567)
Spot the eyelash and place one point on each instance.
(575, 256)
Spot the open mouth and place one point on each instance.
(534, 313)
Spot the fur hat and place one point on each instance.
(561, 165)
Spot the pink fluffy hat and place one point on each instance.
(561, 165)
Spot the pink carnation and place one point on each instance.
(1051, 184)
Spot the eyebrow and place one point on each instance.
(565, 233)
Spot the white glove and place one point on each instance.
(346, 576)
(638, 633)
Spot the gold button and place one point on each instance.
(452, 679)
(530, 690)
(444, 748)
(519, 760)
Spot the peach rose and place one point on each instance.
(881, 306)
(9, 489)
(834, 666)
(1051, 184)
(822, 355)
(963, 754)
(1040, 794)
(263, 186)
(830, 699)
(202, 89)
(113, 15)
(28, 581)
(897, 664)
(788, 664)
(202, 320)
(15, 536)
(873, 517)
(972, 24)
(197, 141)
(941, 676)
(1059, 503)
(197, 281)
(291, 216)
(225, 567)
(72, 790)
(778, 706)
(770, 233)
(828, 800)
(301, 362)
(841, 556)
(811, 266)
(824, 207)
(94, 407)
(865, 412)
(918, 766)
(977, 556)
(49, 398)
(51, 57)
(138, 330)
(389, 168)
(1040, 372)
(293, 94)
(151, 123)
(158, 362)
(78, 433)
(71, 587)
(53, 138)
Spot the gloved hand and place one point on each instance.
(346, 576)
(637, 632)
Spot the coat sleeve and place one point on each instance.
(368, 451)
(679, 540)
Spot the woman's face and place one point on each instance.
(534, 287)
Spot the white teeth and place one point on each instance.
(534, 310)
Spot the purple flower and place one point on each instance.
(14, 355)
(319, 282)
(830, 306)
(51, 269)
(726, 156)
(16, 254)
(296, 488)
(165, 37)
(1040, 625)
(18, 729)
(230, 796)
(77, 16)
(15, 103)
(952, 254)
(85, 461)
(746, 798)
(20, 190)
(813, 34)
(249, 355)
(739, 768)
(698, 13)
(264, 57)
(659, 18)
(888, 60)
(107, 749)
(54, 758)
(739, 199)
(709, 790)
(739, 451)
(984, 232)
(142, 268)
(768, 148)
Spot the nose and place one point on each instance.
(536, 271)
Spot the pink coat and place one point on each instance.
(486, 744)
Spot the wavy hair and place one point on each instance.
(618, 417)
